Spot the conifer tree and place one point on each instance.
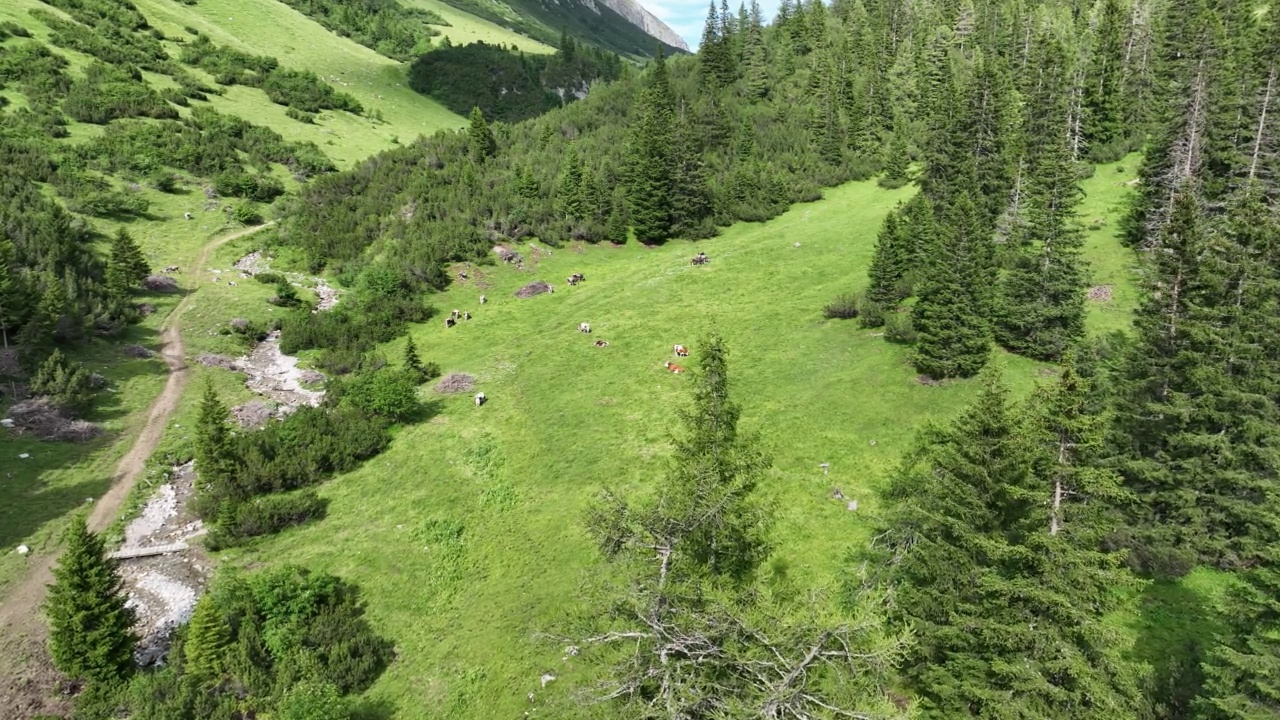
(10, 294)
(690, 192)
(702, 638)
(215, 457)
(90, 628)
(207, 641)
(616, 229)
(480, 136)
(715, 59)
(126, 268)
(1040, 308)
(755, 60)
(526, 185)
(67, 386)
(412, 362)
(1196, 398)
(891, 263)
(1104, 121)
(1243, 672)
(651, 161)
(569, 189)
(897, 159)
(1009, 616)
(953, 334)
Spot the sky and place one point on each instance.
(687, 17)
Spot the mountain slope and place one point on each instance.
(621, 26)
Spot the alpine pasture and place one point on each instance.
(466, 535)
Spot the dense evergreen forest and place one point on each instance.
(1010, 538)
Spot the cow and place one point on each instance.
(455, 314)
(681, 351)
(601, 343)
(171, 269)
(585, 328)
(450, 322)
(462, 275)
(466, 316)
(673, 367)
(700, 259)
(571, 280)
(480, 399)
(186, 215)
(482, 300)
(232, 283)
(576, 278)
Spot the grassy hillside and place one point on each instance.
(59, 476)
(466, 534)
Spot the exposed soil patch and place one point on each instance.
(253, 414)
(456, 383)
(536, 287)
(220, 361)
(1099, 293)
(41, 418)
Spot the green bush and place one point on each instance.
(386, 392)
(899, 328)
(286, 295)
(870, 313)
(246, 213)
(271, 278)
(301, 116)
(843, 307)
(265, 515)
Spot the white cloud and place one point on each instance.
(687, 17)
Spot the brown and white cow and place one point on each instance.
(681, 351)
(673, 367)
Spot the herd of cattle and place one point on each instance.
(679, 350)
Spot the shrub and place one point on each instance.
(386, 392)
(270, 278)
(164, 181)
(286, 295)
(899, 328)
(843, 307)
(301, 116)
(870, 313)
(246, 213)
(265, 515)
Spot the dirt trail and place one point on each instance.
(29, 677)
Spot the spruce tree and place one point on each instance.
(206, 643)
(11, 300)
(127, 268)
(1104, 99)
(526, 185)
(893, 260)
(569, 188)
(651, 162)
(755, 59)
(616, 229)
(90, 628)
(1008, 615)
(1196, 398)
(715, 61)
(216, 464)
(1243, 672)
(953, 334)
(412, 362)
(1040, 308)
(897, 159)
(67, 386)
(480, 137)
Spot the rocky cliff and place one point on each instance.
(646, 21)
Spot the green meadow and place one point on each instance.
(466, 535)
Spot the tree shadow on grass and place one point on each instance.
(372, 709)
(1176, 628)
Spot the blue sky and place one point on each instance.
(686, 17)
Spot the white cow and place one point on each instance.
(584, 327)
(480, 399)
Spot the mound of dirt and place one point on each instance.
(211, 360)
(456, 383)
(136, 351)
(1100, 293)
(160, 283)
(40, 417)
(537, 287)
(252, 414)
